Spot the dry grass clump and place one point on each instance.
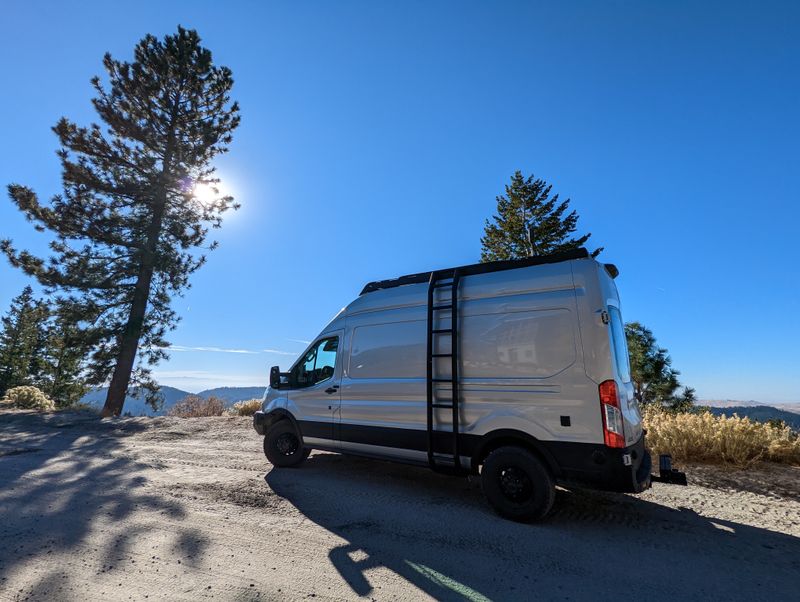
(703, 437)
(28, 398)
(245, 408)
(194, 406)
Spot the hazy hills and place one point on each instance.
(761, 412)
(788, 412)
(137, 407)
(738, 403)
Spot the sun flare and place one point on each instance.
(205, 193)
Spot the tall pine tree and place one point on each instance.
(530, 221)
(128, 225)
(23, 342)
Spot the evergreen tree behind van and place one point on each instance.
(655, 381)
(530, 221)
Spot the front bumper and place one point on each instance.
(260, 422)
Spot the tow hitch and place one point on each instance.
(667, 474)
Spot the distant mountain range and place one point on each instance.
(792, 406)
(756, 410)
(137, 407)
(761, 414)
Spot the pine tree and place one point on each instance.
(655, 381)
(23, 342)
(128, 226)
(65, 360)
(530, 222)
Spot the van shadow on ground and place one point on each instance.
(437, 533)
(62, 475)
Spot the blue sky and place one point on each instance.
(375, 137)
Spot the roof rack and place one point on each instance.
(478, 268)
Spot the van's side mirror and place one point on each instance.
(275, 377)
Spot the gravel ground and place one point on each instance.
(187, 509)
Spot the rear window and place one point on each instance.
(620, 344)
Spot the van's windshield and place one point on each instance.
(620, 344)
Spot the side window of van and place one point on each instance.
(317, 365)
(390, 350)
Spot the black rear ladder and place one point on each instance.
(445, 280)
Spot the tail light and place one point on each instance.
(613, 431)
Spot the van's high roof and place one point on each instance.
(482, 268)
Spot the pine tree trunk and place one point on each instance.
(55, 385)
(129, 344)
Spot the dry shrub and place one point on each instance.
(29, 398)
(194, 406)
(245, 408)
(703, 437)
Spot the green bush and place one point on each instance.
(29, 398)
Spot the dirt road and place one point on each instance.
(188, 509)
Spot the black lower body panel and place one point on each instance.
(601, 467)
(586, 464)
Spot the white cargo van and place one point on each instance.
(514, 370)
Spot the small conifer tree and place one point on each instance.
(23, 342)
(655, 381)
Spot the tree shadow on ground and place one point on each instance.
(438, 534)
(64, 476)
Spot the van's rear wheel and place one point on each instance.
(517, 485)
(283, 445)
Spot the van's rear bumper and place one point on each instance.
(600, 467)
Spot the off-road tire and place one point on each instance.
(283, 445)
(517, 484)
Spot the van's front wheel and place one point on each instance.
(283, 445)
(516, 484)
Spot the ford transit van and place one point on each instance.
(516, 371)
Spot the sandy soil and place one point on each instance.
(189, 509)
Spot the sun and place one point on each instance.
(204, 193)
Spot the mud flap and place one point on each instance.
(667, 474)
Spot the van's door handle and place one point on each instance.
(332, 389)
